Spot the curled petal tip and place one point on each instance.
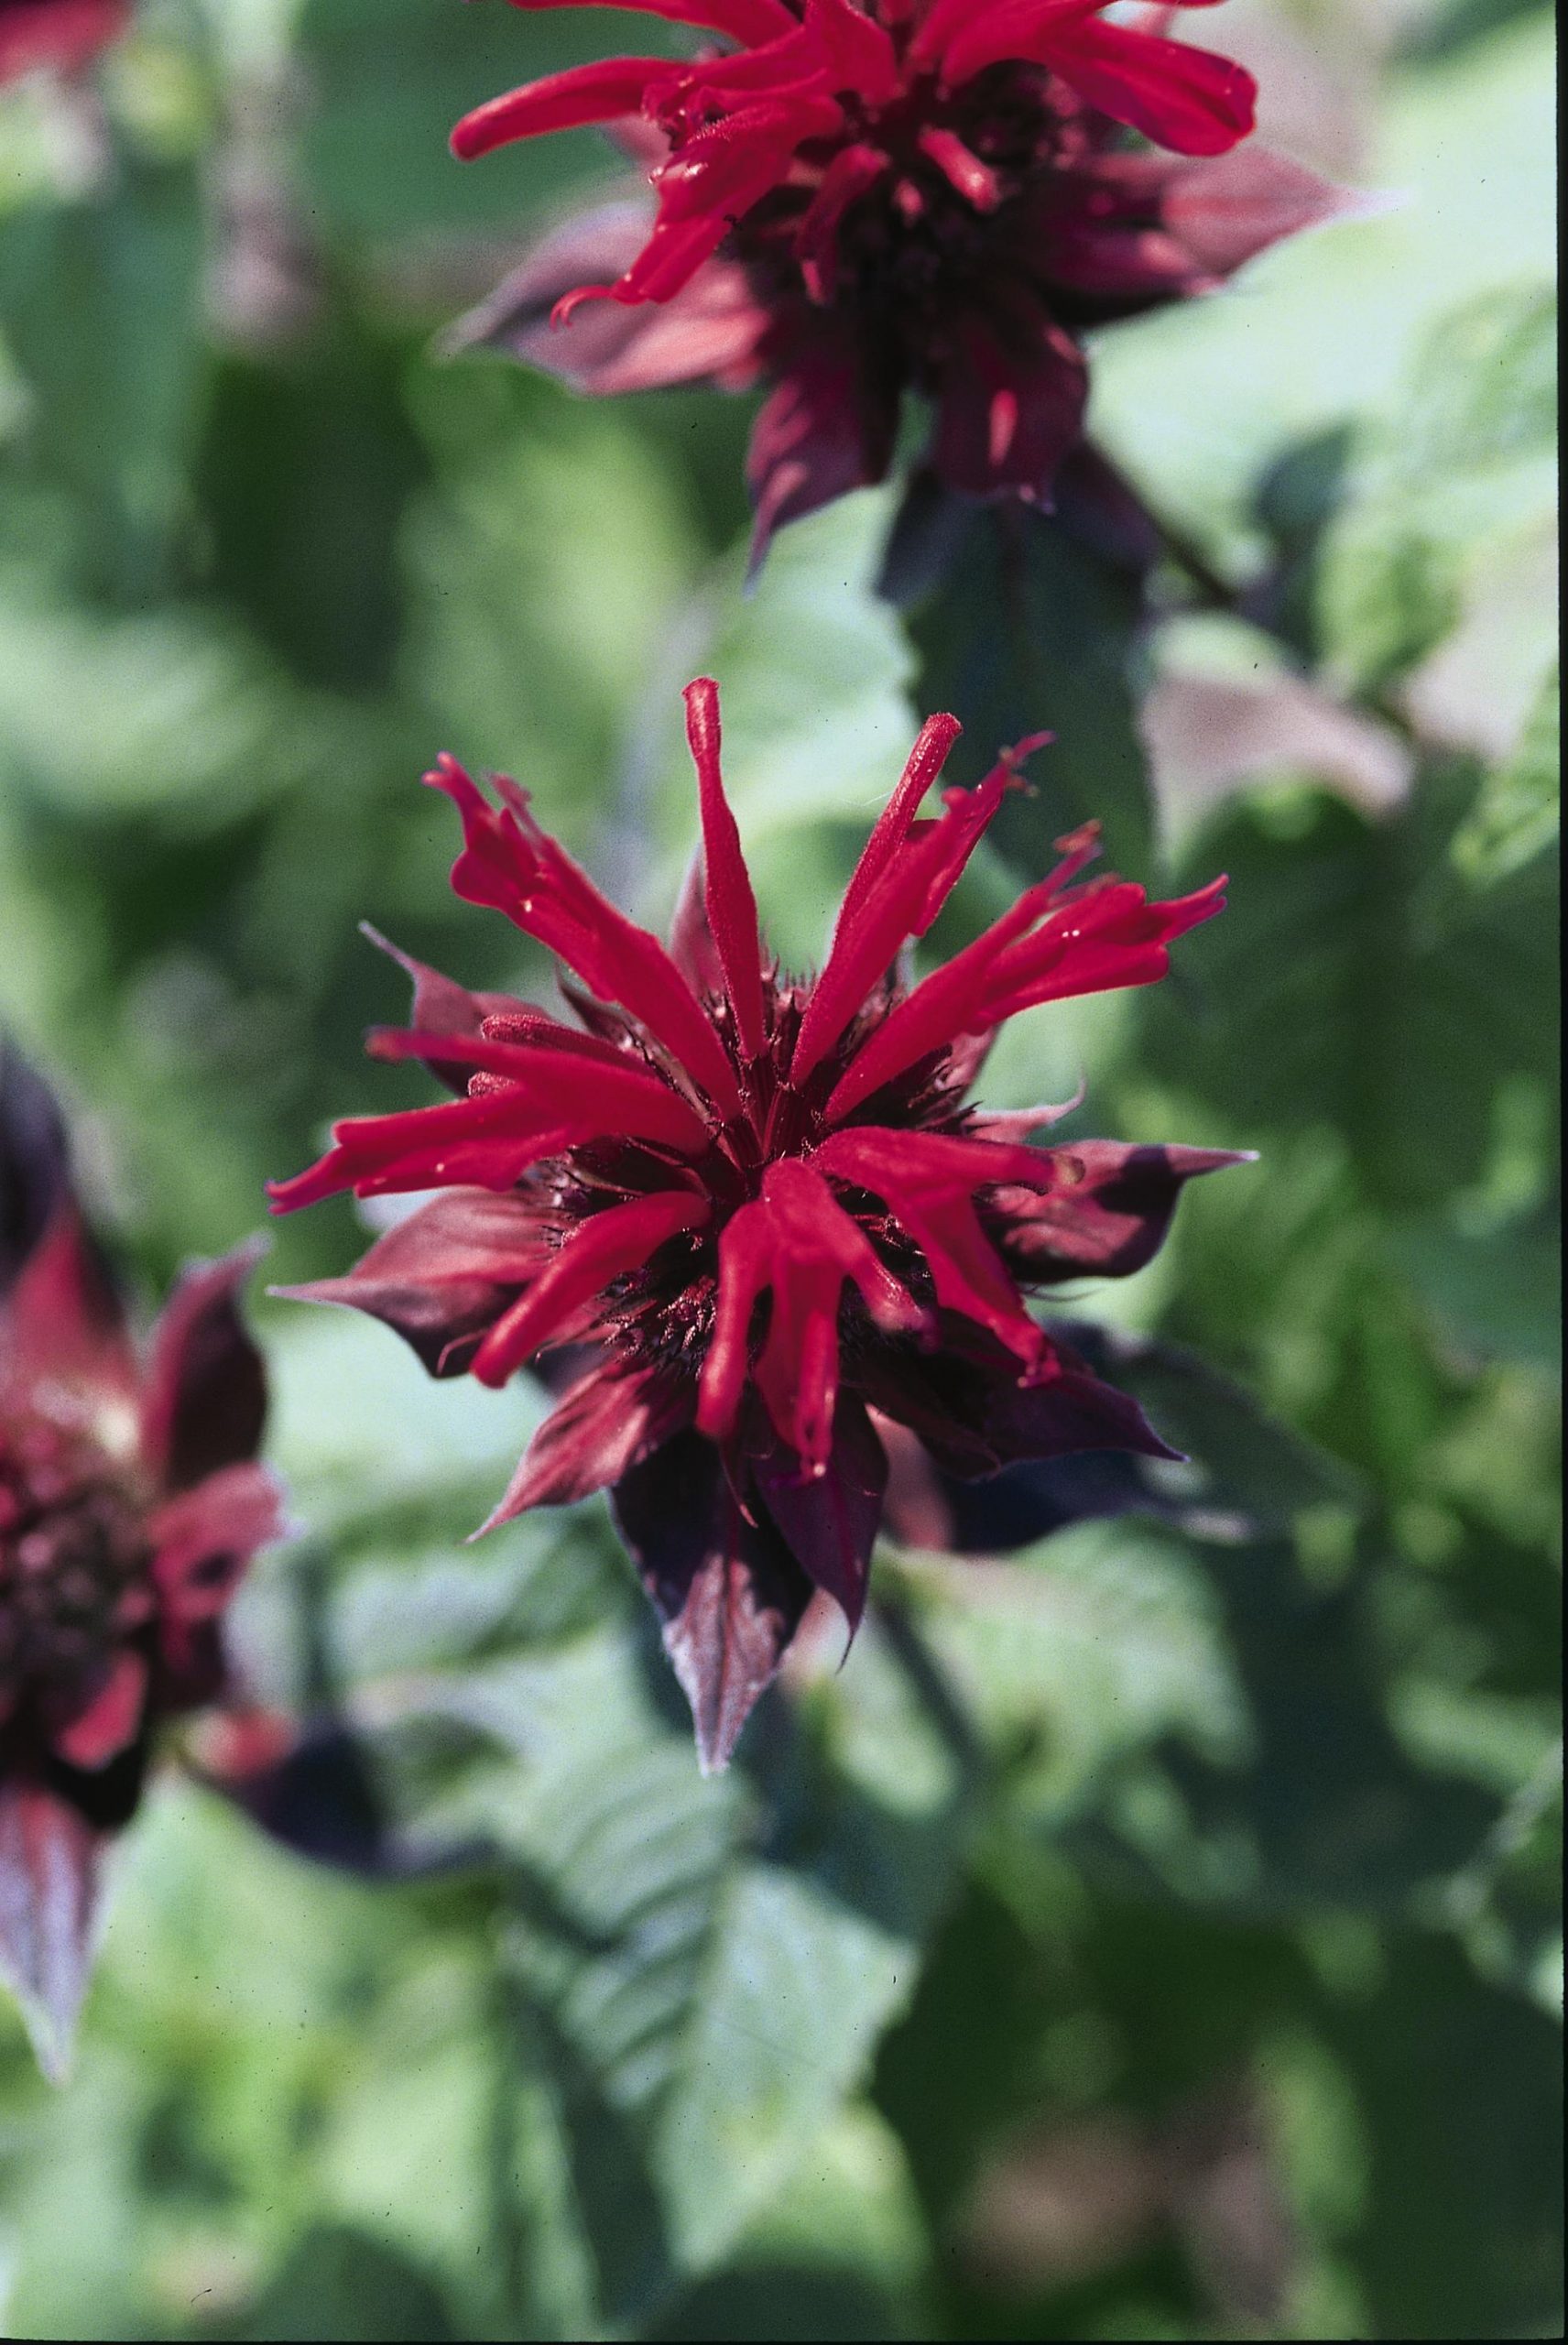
(566, 309)
(446, 773)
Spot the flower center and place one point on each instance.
(899, 241)
(72, 1560)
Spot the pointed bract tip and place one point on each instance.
(373, 935)
(50, 1863)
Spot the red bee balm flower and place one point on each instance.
(59, 35)
(130, 1505)
(763, 1207)
(864, 197)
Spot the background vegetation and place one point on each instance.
(1155, 1937)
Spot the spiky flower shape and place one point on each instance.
(756, 1216)
(57, 36)
(131, 1503)
(862, 197)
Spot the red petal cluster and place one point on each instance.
(130, 1505)
(859, 198)
(762, 1210)
(59, 35)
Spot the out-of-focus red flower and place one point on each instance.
(131, 1503)
(60, 36)
(861, 198)
(755, 1217)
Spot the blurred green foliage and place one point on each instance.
(1153, 1938)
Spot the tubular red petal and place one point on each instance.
(675, 251)
(583, 94)
(797, 1370)
(1105, 972)
(1112, 938)
(913, 881)
(509, 863)
(1187, 99)
(792, 63)
(927, 1181)
(714, 180)
(952, 1000)
(743, 1273)
(691, 943)
(600, 1250)
(111, 1720)
(738, 159)
(939, 1161)
(892, 826)
(967, 40)
(962, 167)
(853, 170)
(797, 1240)
(732, 905)
(858, 48)
(421, 1148)
(956, 33)
(620, 1097)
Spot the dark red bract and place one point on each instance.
(759, 1214)
(59, 35)
(130, 1505)
(856, 201)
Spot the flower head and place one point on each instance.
(753, 1218)
(130, 1504)
(861, 198)
(57, 36)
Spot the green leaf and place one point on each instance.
(1314, 1805)
(1494, 1291)
(1248, 1472)
(100, 301)
(1321, 1000)
(1029, 629)
(343, 2285)
(702, 1967)
(1100, 1643)
(1516, 816)
(1460, 2111)
(837, 2253)
(1464, 459)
